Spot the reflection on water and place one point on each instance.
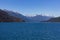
(29, 31)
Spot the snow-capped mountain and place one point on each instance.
(36, 18)
(39, 18)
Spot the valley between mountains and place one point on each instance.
(10, 16)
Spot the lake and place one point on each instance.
(30, 31)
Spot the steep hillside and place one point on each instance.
(5, 17)
(18, 15)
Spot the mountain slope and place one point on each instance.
(5, 17)
(18, 15)
(39, 18)
(36, 18)
(56, 19)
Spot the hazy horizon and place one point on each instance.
(32, 7)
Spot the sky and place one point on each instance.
(32, 7)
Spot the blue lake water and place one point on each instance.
(29, 31)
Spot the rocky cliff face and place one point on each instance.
(4, 17)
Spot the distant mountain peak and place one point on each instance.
(36, 18)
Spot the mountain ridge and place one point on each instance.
(56, 19)
(36, 18)
(4, 17)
